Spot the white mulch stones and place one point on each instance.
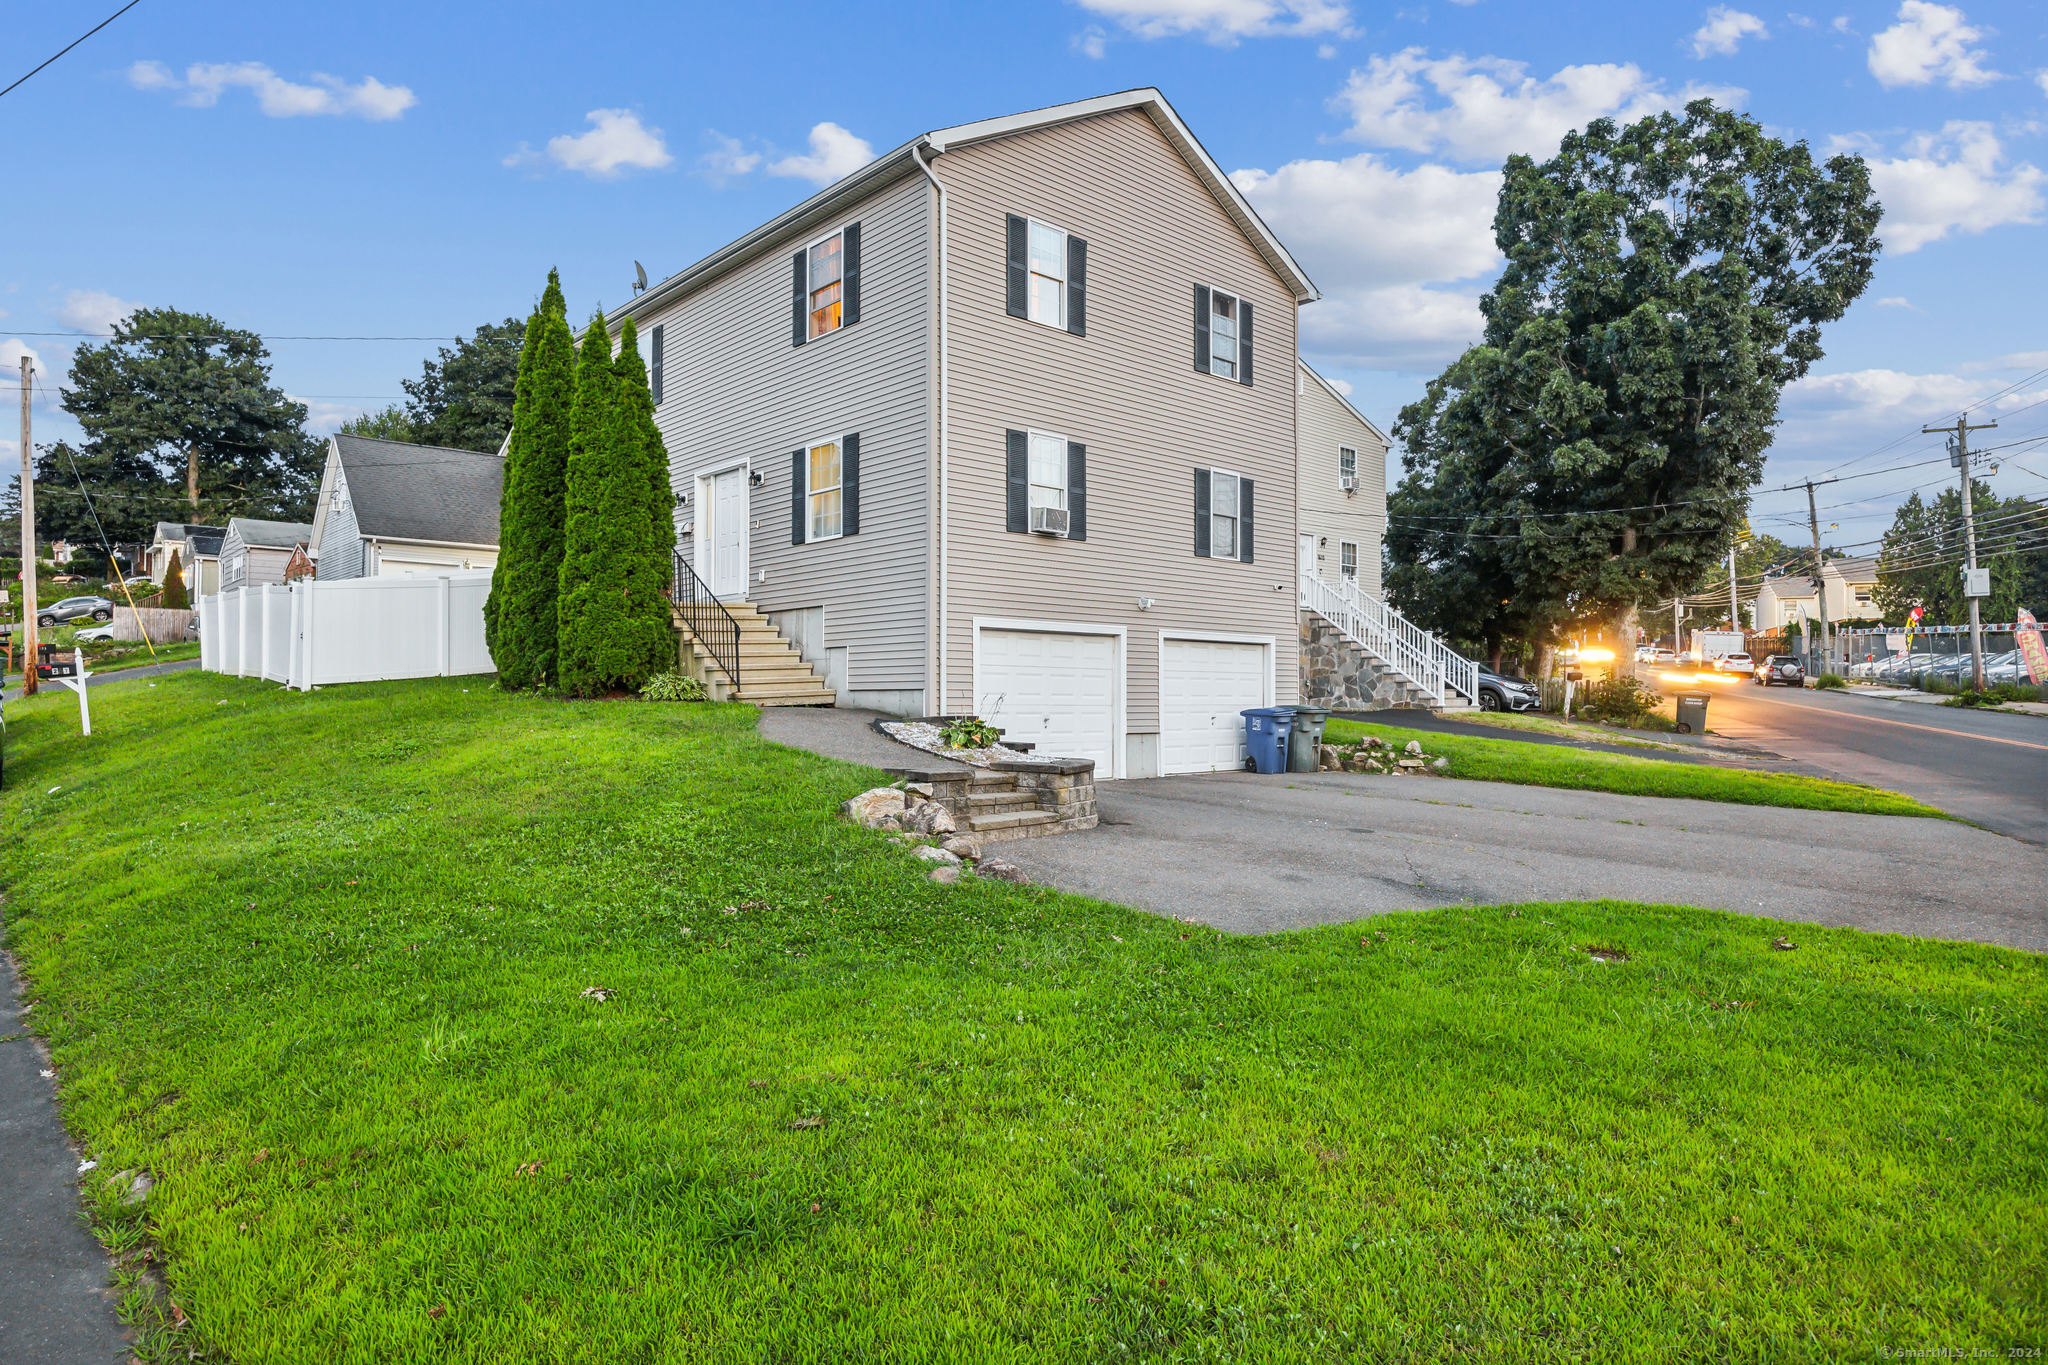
(921, 734)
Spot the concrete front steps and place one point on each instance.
(772, 673)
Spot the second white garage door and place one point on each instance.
(1054, 690)
(1203, 684)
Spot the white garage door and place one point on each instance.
(1203, 684)
(1054, 691)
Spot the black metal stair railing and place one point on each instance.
(707, 618)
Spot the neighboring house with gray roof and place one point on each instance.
(255, 552)
(198, 550)
(390, 507)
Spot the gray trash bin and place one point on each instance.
(1692, 713)
(1305, 746)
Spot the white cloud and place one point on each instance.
(204, 82)
(835, 154)
(1092, 42)
(11, 352)
(94, 310)
(1895, 397)
(727, 158)
(1379, 242)
(1487, 107)
(322, 418)
(1226, 21)
(1899, 302)
(1956, 180)
(1326, 51)
(2041, 79)
(617, 141)
(1724, 31)
(1929, 43)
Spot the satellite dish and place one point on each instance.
(640, 278)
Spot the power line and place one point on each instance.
(76, 41)
(220, 336)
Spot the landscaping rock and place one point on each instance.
(1414, 747)
(928, 817)
(960, 846)
(1410, 764)
(921, 790)
(1333, 762)
(936, 855)
(946, 876)
(1440, 763)
(873, 807)
(1364, 763)
(1000, 870)
(134, 1186)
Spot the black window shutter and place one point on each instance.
(798, 314)
(850, 274)
(1077, 287)
(1244, 520)
(796, 497)
(1077, 491)
(849, 484)
(1014, 301)
(1202, 333)
(1016, 482)
(654, 377)
(1244, 344)
(1201, 514)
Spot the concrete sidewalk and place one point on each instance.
(55, 1308)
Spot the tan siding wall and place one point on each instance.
(1327, 511)
(734, 387)
(1128, 391)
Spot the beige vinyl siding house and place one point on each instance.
(1781, 601)
(1015, 344)
(198, 550)
(1341, 472)
(255, 552)
(1851, 588)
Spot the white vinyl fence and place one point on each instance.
(313, 634)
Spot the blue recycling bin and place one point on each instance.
(1265, 736)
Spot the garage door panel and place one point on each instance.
(1203, 686)
(1055, 691)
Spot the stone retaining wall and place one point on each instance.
(1338, 674)
(1066, 789)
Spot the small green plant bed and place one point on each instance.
(1549, 765)
(1537, 723)
(519, 1030)
(969, 732)
(1829, 682)
(673, 687)
(2000, 694)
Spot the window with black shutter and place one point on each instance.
(1045, 484)
(1223, 334)
(654, 367)
(825, 280)
(1223, 515)
(1045, 274)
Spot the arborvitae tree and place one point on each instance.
(521, 617)
(590, 612)
(648, 576)
(174, 594)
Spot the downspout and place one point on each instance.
(945, 466)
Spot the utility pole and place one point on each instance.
(1820, 587)
(1734, 602)
(1677, 628)
(1959, 456)
(29, 677)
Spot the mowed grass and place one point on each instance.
(318, 962)
(1553, 765)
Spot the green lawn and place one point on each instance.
(332, 996)
(1553, 765)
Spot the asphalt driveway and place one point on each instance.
(1255, 854)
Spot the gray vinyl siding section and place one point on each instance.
(243, 566)
(1327, 511)
(734, 389)
(1128, 391)
(341, 540)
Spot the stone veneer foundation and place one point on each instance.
(1338, 674)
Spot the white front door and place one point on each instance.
(1052, 689)
(726, 536)
(1203, 685)
(1308, 556)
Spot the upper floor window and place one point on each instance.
(823, 492)
(1347, 558)
(1223, 335)
(1347, 468)
(825, 286)
(1047, 275)
(1222, 515)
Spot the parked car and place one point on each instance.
(75, 609)
(92, 633)
(1738, 662)
(1781, 668)
(1505, 692)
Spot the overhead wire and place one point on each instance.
(73, 43)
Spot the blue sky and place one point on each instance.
(414, 169)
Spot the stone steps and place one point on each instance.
(772, 672)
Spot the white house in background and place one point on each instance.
(198, 549)
(1851, 588)
(1340, 472)
(390, 507)
(255, 552)
(1781, 601)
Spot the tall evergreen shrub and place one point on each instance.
(525, 586)
(591, 616)
(648, 575)
(174, 594)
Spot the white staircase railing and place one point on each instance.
(1415, 653)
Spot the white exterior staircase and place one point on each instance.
(1445, 679)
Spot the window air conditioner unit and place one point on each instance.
(1348, 482)
(1049, 521)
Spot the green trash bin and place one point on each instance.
(1305, 745)
(1692, 713)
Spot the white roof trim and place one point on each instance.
(800, 219)
(1331, 389)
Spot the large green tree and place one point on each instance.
(465, 397)
(391, 424)
(1921, 562)
(182, 422)
(1664, 282)
(521, 617)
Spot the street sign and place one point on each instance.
(1895, 641)
(1976, 582)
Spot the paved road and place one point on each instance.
(1255, 854)
(118, 675)
(1987, 768)
(54, 1306)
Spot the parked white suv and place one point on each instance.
(1737, 662)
